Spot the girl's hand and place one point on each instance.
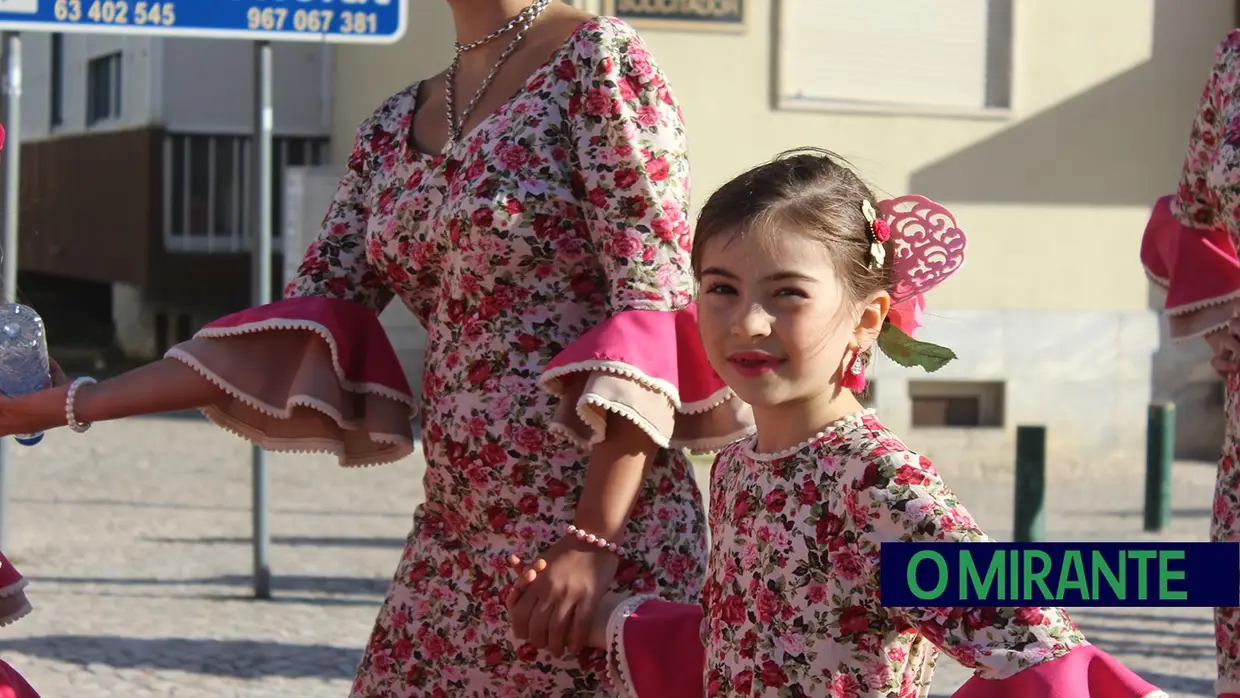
(557, 607)
(1225, 347)
(597, 634)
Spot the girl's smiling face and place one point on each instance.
(774, 317)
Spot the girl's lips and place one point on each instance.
(754, 363)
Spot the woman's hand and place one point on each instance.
(38, 411)
(1225, 347)
(556, 608)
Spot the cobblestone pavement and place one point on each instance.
(135, 538)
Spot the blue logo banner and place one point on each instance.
(1060, 574)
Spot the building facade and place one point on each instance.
(136, 175)
(1049, 144)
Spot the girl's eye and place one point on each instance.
(721, 289)
(790, 293)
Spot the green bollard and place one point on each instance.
(1030, 484)
(1159, 454)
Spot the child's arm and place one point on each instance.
(653, 647)
(1014, 652)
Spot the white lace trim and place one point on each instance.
(617, 666)
(13, 588)
(1180, 339)
(550, 381)
(285, 445)
(838, 426)
(1158, 280)
(598, 426)
(283, 324)
(405, 446)
(709, 445)
(1203, 304)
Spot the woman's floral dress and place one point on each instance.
(547, 255)
(1189, 249)
(791, 605)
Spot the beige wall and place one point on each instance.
(1103, 90)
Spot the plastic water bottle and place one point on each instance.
(24, 366)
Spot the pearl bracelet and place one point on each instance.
(594, 540)
(70, 397)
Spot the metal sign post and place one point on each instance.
(12, 155)
(259, 21)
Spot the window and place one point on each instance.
(957, 403)
(57, 107)
(207, 190)
(103, 88)
(946, 56)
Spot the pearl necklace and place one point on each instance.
(522, 23)
(837, 427)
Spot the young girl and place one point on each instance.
(800, 274)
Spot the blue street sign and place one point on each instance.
(324, 21)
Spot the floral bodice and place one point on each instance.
(1209, 193)
(792, 603)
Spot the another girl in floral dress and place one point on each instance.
(800, 274)
(1189, 249)
(542, 242)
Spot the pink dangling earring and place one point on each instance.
(854, 373)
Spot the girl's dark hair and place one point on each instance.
(807, 190)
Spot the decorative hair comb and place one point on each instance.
(928, 248)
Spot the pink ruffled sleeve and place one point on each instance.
(315, 372)
(631, 174)
(1197, 267)
(1014, 652)
(655, 648)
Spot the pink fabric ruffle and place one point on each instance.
(648, 366)
(13, 602)
(307, 374)
(1198, 268)
(1084, 672)
(657, 649)
(13, 684)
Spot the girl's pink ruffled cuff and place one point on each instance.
(655, 649)
(307, 375)
(13, 602)
(648, 366)
(1084, 672)
(1197, 267)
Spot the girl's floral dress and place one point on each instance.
(791, 605)
(545, 254)
(1189, 249)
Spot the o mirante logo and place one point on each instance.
(1060, 574)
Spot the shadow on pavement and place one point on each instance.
(395, 544)
(233, 658)
(201, 507)
(303, 583)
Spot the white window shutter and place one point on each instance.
(908, 53)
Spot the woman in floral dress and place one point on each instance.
(1189, 249)
(544, 247)
(800, 276)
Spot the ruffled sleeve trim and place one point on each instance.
(307, 375)
(13, 602)
(1085, 671)
(1197, 267)
(649, 367)
(654, 648)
